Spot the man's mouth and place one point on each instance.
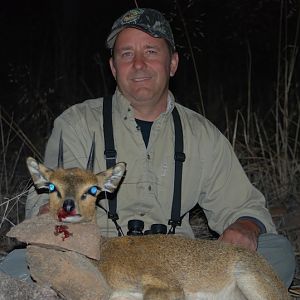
(140, 79)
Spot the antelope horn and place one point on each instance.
(90, 164)
(60, 161)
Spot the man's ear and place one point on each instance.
(40, 174)
(174, 63)
(112, 67)
(110, 179)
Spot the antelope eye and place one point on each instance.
(93, 190)
(51, 187)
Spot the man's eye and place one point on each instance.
(151, 51)
(127, 54)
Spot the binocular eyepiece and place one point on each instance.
(136, 227)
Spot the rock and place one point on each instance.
(39, 230)
(71, 274)
(14, 289)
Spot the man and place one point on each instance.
(143, 60)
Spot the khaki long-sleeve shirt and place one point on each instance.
(212, 175)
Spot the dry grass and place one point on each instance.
(270, 157)
(13, 175)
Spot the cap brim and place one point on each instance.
(110, 41)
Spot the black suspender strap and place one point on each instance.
(179, 158)
(110, 151)
(110, 154)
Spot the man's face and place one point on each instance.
(142, 66)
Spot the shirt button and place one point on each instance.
(148, 156)
(142, 214)
(149, 188)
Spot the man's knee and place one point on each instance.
(15, 265)
(278, 251)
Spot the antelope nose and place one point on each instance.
(69, 205)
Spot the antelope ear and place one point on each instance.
(110, 179)
(39, 173)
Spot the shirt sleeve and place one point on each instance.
(262, 227)
(74, 146)
(74, 152)
(229, 195)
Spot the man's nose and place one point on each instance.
(139, 61)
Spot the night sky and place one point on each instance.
(58, 46)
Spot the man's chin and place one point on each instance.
(140, 95)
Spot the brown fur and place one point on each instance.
(163, 267)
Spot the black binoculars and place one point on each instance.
(136, 227)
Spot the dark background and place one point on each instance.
(238, 61)
(53, 55)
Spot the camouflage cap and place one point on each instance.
(148, 20)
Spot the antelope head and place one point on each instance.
(73, 192)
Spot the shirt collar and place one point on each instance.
(126, 110)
